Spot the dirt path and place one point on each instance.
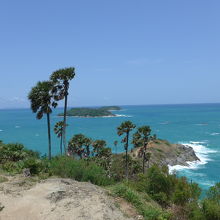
(57, 199)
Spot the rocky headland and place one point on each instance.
(164, 153)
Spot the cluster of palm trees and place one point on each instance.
(45, 95)
(85, 147)
(141, 138)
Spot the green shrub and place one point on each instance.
(151, 212)
(35, 165)
(194, 211)
(13, 167)
(211, 210)
(211, 204)
(117, 170)
(157, 183)
(80, 170)
(214, 193)
(12, 152)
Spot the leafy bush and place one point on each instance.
(80, 170)
(117, 170)
(149, 211)
(157, 183)
(35, 166)
(194, 211)
(15, 152)
(214, 193)
(14, 158)
(211, 204)
(12, 152)
(211, 210)
(13, 167)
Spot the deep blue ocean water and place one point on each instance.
(197, 125)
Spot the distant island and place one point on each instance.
(92, 112)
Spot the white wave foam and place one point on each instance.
(202, 124)
(164, 123)
(113, 116)
(208, 183)
(201, 151)
(197, 142)
(214, 134)
(127, 116)
(1, 130)
(17, 126)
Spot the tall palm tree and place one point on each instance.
(61, 79)
(58, 130)
(116, 143)
(98, 146)
(141, 139)
(125, 128)
(87, 143)
(75, 145)
(41, 103)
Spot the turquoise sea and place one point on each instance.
(197, 125)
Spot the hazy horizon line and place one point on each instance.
(85, 106)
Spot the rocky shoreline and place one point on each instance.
(164, 153)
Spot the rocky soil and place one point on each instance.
(57, 199)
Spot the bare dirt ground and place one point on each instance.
(57, 199)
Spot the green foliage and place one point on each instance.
(41, 98)
(167, 189)
(80, 170)
(148, 210)
(15, 152)
(88, 112)
(211, 204)
(157, 184)
(142, 136)
(111, 108)
(194, 212)
(75, 145)
(214, 193)
(118, 166)
(58, 128)
(14, 158)
(125, 128)
(211, 209)
(35, 166)
(61, 76)
(185, 192)
(99, 147)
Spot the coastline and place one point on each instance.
(106, 116)
(201, 151)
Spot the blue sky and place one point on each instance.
(124, 51)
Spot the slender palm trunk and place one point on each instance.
(87, 151)
(49, 137)
(126, 170)
(64, 125)
(144, 156)
(61, 142)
